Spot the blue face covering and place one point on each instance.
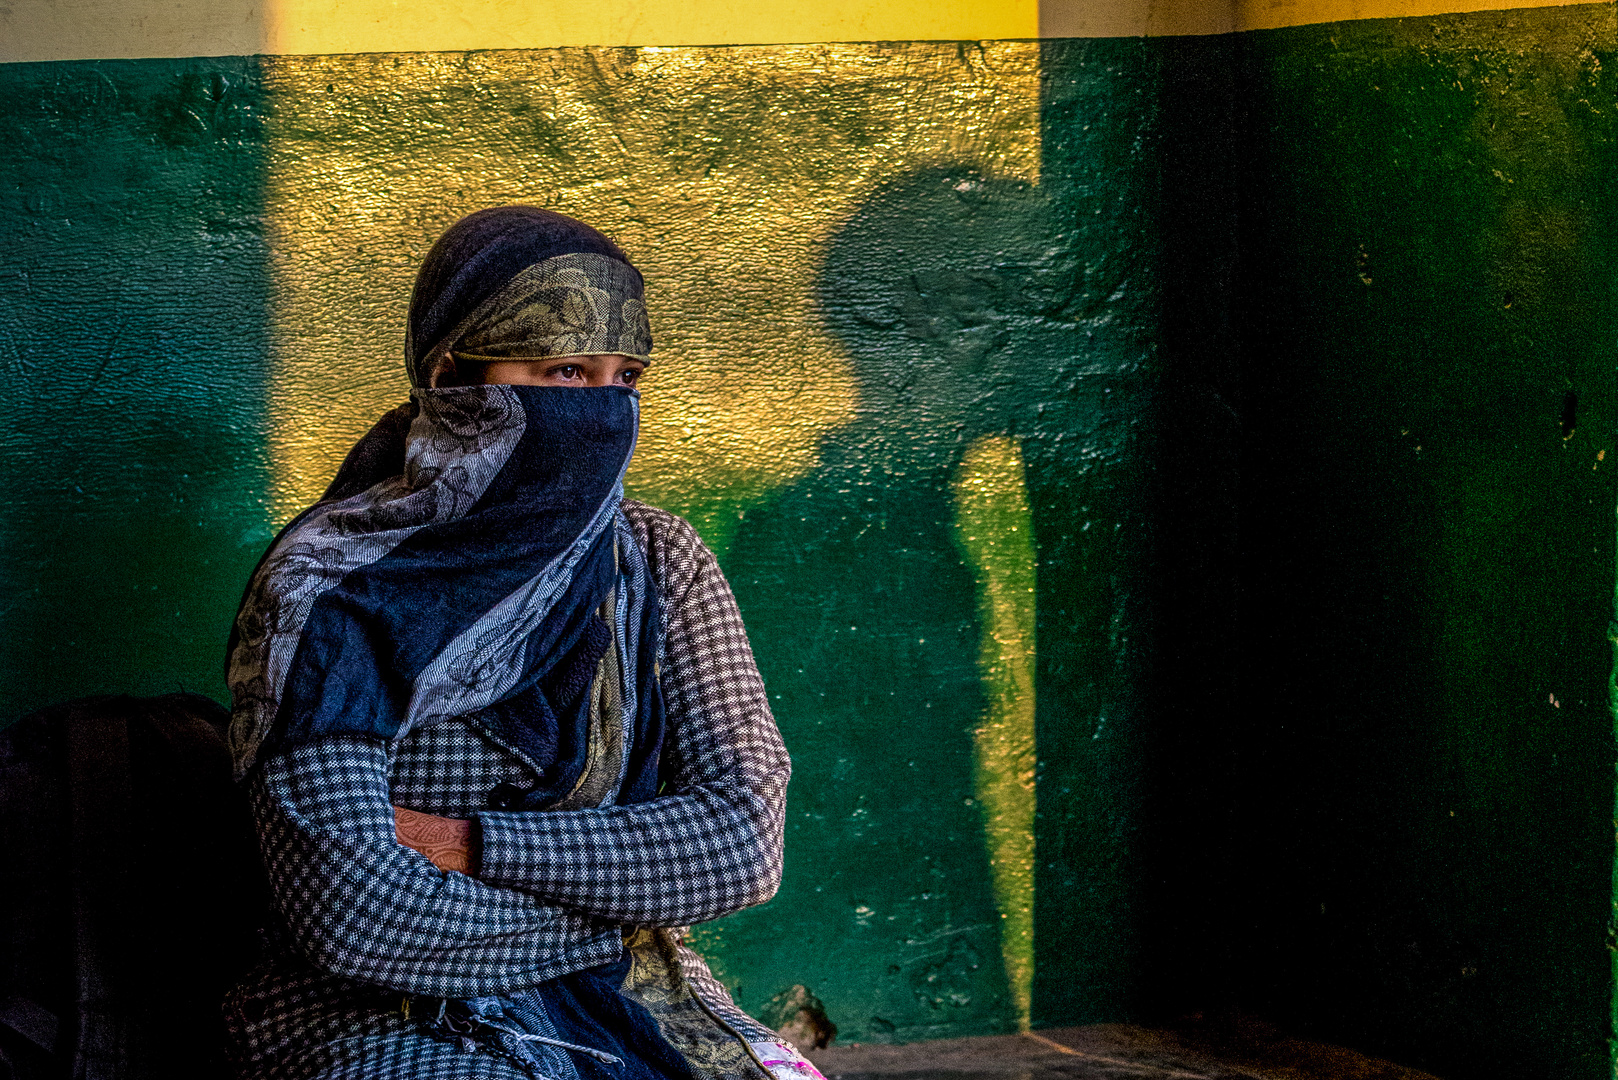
(471, 559)
(488, 579)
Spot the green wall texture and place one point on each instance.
(1424, 794)
(1304, 338)
(133, 331)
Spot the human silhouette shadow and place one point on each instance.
(964, 311)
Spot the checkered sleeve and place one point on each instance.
(359, 904)
(711, 844)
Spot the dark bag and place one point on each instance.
(133, 896)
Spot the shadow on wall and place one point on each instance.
(890, 593)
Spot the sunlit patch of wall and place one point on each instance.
(720, 171)
(996, 533)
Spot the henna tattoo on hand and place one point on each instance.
(447, 842)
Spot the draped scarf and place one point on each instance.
(472, 558)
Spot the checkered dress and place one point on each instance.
(365, 922)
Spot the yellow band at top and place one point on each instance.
(103, 29)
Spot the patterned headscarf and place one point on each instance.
(485, 569)
(517, 281)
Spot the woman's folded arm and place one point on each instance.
(711, 844)
(673, 861)
(361, 905)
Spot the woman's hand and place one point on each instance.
(447, 842)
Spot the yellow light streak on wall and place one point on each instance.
(722, 171)
(995, 531)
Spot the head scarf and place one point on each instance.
(517, 281)
(484, 568)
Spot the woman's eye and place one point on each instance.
(630, 376)
(568, 372)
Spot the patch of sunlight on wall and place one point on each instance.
(995, 531)
(722, 171)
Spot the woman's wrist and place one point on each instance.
(448, 843)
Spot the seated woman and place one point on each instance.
(501, 727)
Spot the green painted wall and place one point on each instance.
(1421, 767)
(133, 330)
(1217, 290)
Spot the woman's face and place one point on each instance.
(600, 369)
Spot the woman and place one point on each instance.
(501, 727)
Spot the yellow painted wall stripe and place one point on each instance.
(309, 26)
(96, 29)
(32, 30)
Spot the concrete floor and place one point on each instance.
(1111, 1052)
